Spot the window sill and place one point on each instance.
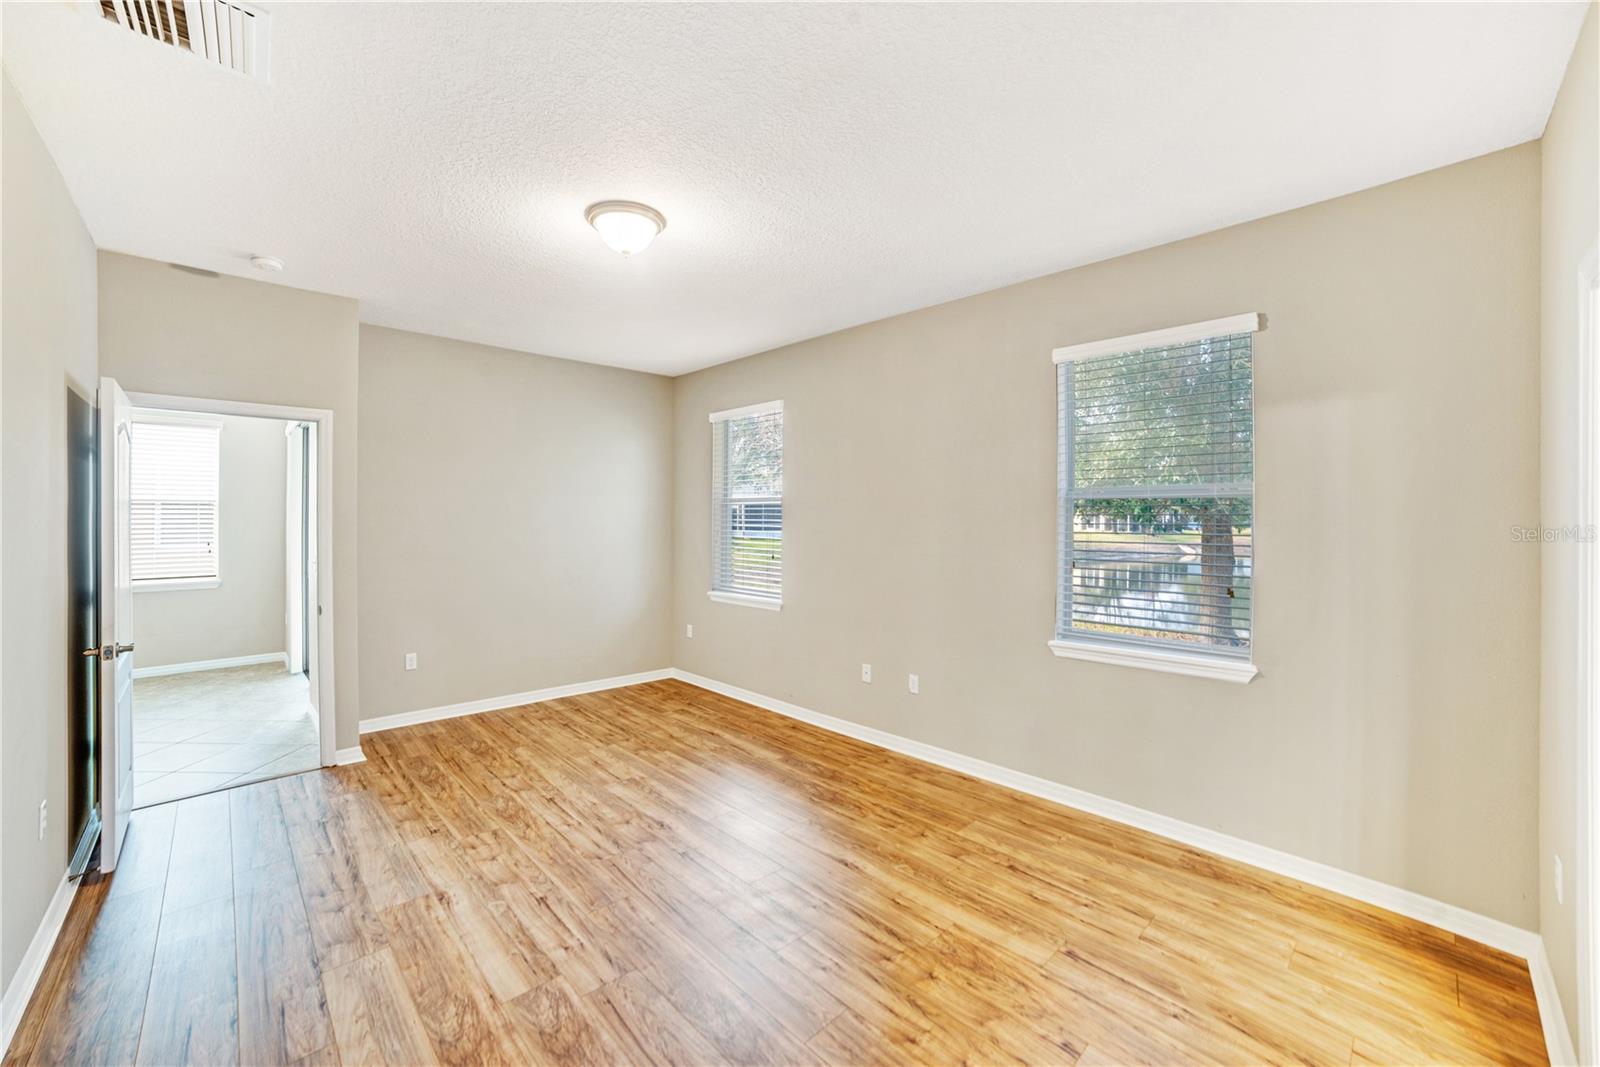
(1156, 659)
(745, 599)
(167, 585)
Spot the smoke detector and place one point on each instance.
(226, 34)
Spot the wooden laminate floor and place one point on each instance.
(661, 875)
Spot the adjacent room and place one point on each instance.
(222, 693)
(691, 534)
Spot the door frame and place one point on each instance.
(1586, 898)
(323, 418)
(297, 555)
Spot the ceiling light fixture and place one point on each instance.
(267, 263)
(625, 226)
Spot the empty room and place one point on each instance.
(687, 534)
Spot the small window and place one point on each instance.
(1156, 493)
(747, 505)
(173, 471)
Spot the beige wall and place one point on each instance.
(47, 348)
(515, 521)
(244, 616)
(165, 330)
(1571, 223)
(1392, 731)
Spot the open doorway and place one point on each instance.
(197, 493)
(221, 565)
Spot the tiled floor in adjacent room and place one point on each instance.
(193, 733)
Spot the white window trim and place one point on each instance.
(1131, 653)
(768, 408)
(1249, 322)
(167, 585)
(746, 600)
(1222, 668)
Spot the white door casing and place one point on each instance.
(313, 503)
(295, 546)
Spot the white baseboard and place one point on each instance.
(1557, 1038)
(1492, 932)
(212, 664)
(533, 696)
(23, 983)
(346, 756)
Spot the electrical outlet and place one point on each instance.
(411, 661)
(688, 630)
(913, 683)
(1561, 888)
(44, 817)
(866, 672)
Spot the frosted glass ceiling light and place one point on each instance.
(625, 226)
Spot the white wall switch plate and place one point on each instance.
(44, 817)
(913, 683)
(688, 630)
(866, 672)
(411, 661)
(1561, 888)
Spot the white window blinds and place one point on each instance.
(747, 501)
(1156, 489)
(173, 500)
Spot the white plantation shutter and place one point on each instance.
(747, 501)
(173, 500)
(1156, 489)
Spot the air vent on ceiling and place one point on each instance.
(228, 34)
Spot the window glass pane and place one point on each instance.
(755, 456)
(1164, 416)
(1175, 569)
(756, 549)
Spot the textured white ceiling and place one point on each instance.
(819, 165)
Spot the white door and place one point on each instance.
(116, 624)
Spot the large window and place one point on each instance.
(173, 501)
(747, 505)
(1156, 492)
